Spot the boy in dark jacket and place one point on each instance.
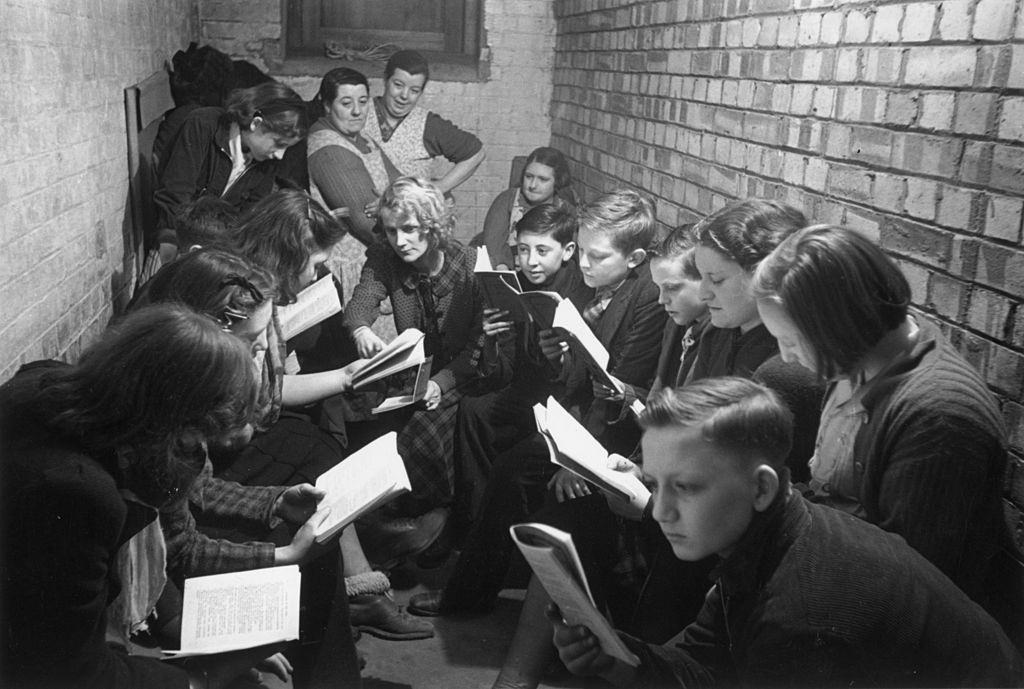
(803, 594)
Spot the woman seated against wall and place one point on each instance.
(348, 171)
(911, 438)
(234, 152)
(546, 179)
(428, 278)
(89, 452)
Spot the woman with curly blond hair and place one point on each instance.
(428, 276)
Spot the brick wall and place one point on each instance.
(64, 175)
(508, 110)
(902, 119)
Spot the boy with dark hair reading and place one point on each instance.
(614, 232)
(494, 422)
(803, 594)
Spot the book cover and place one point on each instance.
(552, 556)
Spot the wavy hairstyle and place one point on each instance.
(419, 198)
(281, 232)
(747, 231)
(220, 284)
(839, 288)
(158, 382)
(737, 414)
(280, 109)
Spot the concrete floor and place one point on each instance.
(465, 653)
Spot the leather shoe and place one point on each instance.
(380, 616)
(434, 603)
(390, 540)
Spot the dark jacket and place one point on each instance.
(630, 328)
(931, 458)
(63, 520)
(815, 597)
(457, 308)
(199, 163)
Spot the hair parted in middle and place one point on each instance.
(281, 232)
(626, 216)
(747, 231)
(840, 289)
(737, 414)
(554, 159)
(416, 197)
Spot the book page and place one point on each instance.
(483, 260)
(314, 304)
(581, 453)
(569, 591)
(585, 343)
(362, 481)
(419, 391)
(405, 351)
(229, 612)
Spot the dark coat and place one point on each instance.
(812, 596)
(63, 520)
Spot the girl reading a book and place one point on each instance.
(428, 278)
(287, 450)
(90, 452)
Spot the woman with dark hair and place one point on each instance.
(428, 277)
(234, 152)
(911, 439)
(346, 169)
(546, 179)
(89, 452)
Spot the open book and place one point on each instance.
(314, 304)
(584, 343)
(229, 612)
(419, 391)
(571, 446)
(502, 290)
(360, 483)
(553, 558)
(405, 351)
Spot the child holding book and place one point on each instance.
(493, 422)
(803, 594)
(614, 233)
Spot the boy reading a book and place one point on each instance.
(491, 423)
(803, 594)
(614, 233)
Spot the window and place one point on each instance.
(440, 28)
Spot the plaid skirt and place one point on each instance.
(426, 444)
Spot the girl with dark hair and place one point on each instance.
(233, 152)
(546, 179)
(911, 438)
(89, 452)
(287, 450)
(347, 170)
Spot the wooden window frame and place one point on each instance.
(305, 38)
